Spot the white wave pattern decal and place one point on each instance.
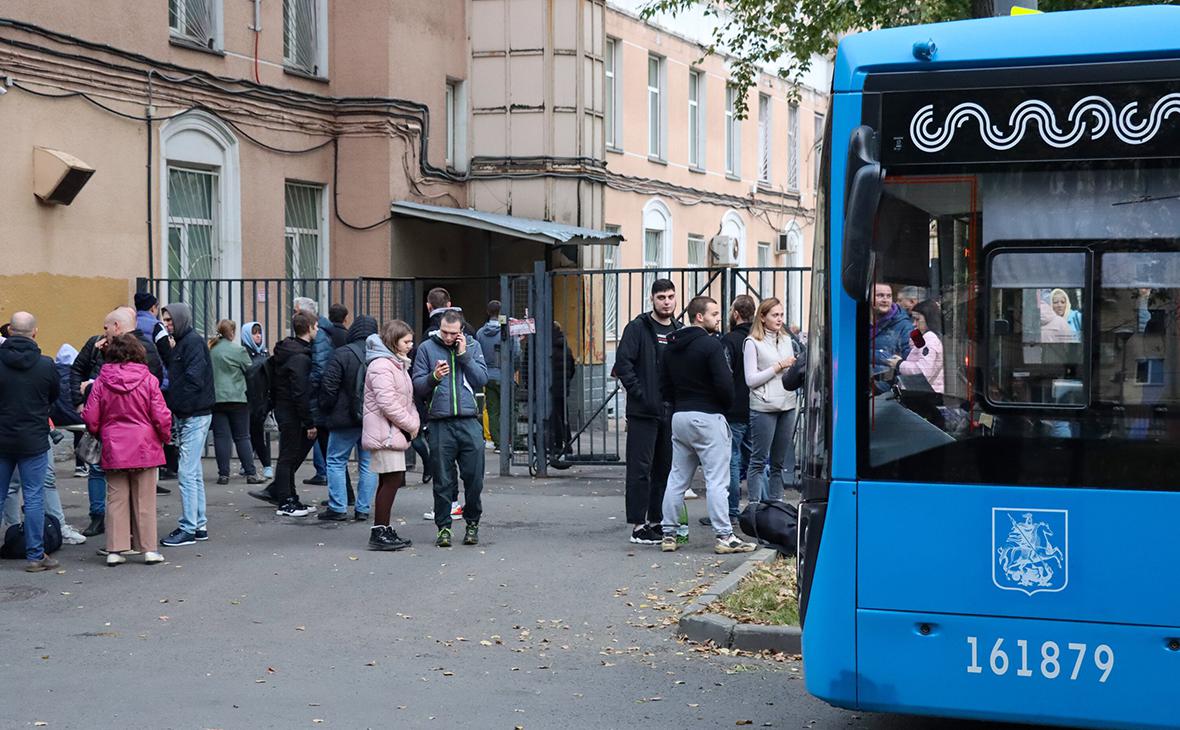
(1091, 117)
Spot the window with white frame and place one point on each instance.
(817, 148)
(793, 147)
(194, 21)
(763, 138)
(610, 61)
(696, 119)
(732, 130)
(450, 116)
(696, 260)
(655, 107)
(610, 287)
(765, 278)
(304, 36)
(303, 237)
(192, 238)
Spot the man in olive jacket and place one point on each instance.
(28, 387)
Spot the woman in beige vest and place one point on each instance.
(767, 352)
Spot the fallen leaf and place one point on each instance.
(163, 618)
(40, 723)
(744, 722)
(485, 642)
(271, 670)
(353, 557)
(301, 628)
(448, 674)
(371, 664)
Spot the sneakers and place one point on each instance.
(444, 538)
(331, 515)
(104, 552)
(360, 516)
(152, 557)
(268, 472)
(163, 490)
(731, 543)
(384, 537)
(471, 534)
(255, 479)
(38, 566)
(689, 494)
(97, 526)
(682, 537)
(201, 535)
(317, 481)
(294, 508)
(647, 535)
(263, 495)
(178, 537)
(706, 521)
(223, 480)
(71, 536)
(115, 559)
(456, 511)
(82, 472)
(669, 544)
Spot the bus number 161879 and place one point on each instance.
(1052, 663)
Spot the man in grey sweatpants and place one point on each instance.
(696, 379)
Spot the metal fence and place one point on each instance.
(563, 405)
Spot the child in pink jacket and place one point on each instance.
(390, 423)
(127, 413)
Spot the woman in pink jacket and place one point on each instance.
(126, 412)
(927, 359)
(390, 423)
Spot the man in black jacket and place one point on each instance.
(340, 409)
(649, 422)
(696, 381)
(28, 386)
(191, 397)
(83, 373)
(291, 391)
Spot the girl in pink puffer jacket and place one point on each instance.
(390, 423)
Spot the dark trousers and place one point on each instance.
(294, 446)
(171, 457)
(231, 427)
(258, 438)
(421, 444)
(649, 459)
(457, 440)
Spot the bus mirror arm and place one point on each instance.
(862, 197)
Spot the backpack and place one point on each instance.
(356, 406)
(774, 522)
(14, 539)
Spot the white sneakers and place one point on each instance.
(115, 559)
(733, 544)
(689, 494)
(151, 557)
(71, 536)
(456, 511)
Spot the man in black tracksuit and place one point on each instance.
(291, 392)
(649, 420)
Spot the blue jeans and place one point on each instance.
(341, 442)
(771, 443)
(96, 487)
(191, 435)
(52, 499)
(32, 477)
(318, 460)
(739, 461)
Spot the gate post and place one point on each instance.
(539, 355)
(507, 396)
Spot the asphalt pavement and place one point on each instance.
(554, 621)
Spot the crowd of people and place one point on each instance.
(725, 404)
(143, 396)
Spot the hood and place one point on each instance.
(247, 340)
(19, 353)
(362, 328)
(682, 339)
(436, 318)
(375, 349)
(744, 328)
(124, 377)
(182, 319)
(491, 328)
(289, 348)
(66, 354)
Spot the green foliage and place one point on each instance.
(766, 596)
(786, 34)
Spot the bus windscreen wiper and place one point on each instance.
(1147, 199)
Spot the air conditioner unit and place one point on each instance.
(724, 251)
(780, 244)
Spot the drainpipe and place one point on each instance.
(150, 223)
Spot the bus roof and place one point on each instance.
(1079, 36)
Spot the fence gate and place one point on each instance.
(561, 403)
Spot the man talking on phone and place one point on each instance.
(448, 369)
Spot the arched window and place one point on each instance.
(795, 283)
(657, 241)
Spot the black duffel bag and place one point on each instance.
(14, 539)
(773, 522)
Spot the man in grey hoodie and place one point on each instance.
(448, 369)
(497, 353)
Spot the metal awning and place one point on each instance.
(554, 234)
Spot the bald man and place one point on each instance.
(28, 387)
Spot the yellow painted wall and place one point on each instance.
(68, 308)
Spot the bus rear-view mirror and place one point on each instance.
(863, 195)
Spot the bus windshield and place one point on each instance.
(1017, 312)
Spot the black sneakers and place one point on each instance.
(294, 508)
(331, 515)
(264, 495)
(384, 537)
(471, 535)
(647, 535)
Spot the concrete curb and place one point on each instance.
(697, 625)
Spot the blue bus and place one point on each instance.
(989, 474)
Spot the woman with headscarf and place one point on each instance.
(231, 414)
(258, 393)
